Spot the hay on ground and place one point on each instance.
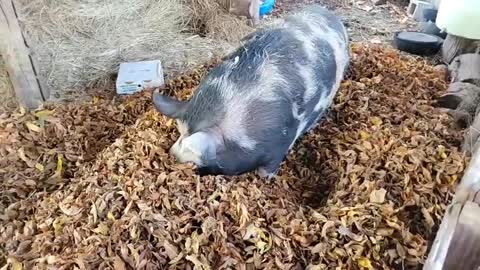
(80, 42)
(212, 19)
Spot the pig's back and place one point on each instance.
(278, 83)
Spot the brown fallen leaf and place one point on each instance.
(327, 207)
(170, 249)
(118, 263)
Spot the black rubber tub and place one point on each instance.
(417, 43)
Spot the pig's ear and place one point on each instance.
(168, 106)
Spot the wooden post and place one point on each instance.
(457, 243)
(455, 45)
(466, 67)
(18, 62)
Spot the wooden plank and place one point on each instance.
(455, 45)
(247, 8)
(458, 237)
(466, 68)
(465, 245)
(16, 53)
(438, 253)
(471, 137)
(470, 184)
(462, 99)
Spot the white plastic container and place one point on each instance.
(460, 18)
(133, 77)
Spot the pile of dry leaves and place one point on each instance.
(91, 186)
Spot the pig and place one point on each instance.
(250, 110)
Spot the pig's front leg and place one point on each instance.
(269, 171)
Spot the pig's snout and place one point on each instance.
(171, 152)
(174, 151)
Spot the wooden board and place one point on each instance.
(465, 245)
(471, 136)
(466, 68)
(455, 45)
(457, 243)
(438, 254)
(18, 62)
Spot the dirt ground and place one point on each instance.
(364, 20)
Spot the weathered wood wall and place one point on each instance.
(18, 61)
(457, 244)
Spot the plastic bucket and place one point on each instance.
(266, 6)
(460, 18)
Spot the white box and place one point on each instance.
(133, 77)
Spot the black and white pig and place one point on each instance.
(249, 110)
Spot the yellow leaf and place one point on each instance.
(441, 152)
(453, 179)
(58, 225)
(376, 121)
(262, 247)
(110, 216)
(364, 135)
(59, 164)
(195, 242)
(365, 263)
(33, 127)
(43, 114)
(16, 265)
(95, 100)
(39, 167)
(101, 229)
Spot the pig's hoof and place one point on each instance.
(263, 173)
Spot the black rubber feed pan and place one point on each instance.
(417, 43)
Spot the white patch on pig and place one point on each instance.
(336, 41)
(308, 45)
(302, 122)
(233, 124)
(177, 150)
(309, 80)
(270, 81)
(182, 128)
(324, 102)
(194, 147)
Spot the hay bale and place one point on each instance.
(7, 95)
(212, 19)
(81, 42)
